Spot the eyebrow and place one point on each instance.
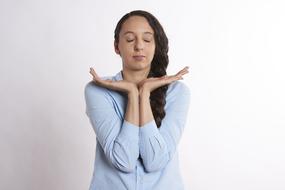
(130, 32)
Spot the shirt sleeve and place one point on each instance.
(158, 145)
(119, 139)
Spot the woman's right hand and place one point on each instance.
(121, 85)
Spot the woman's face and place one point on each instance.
(136, 44)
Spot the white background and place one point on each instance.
(235, 136)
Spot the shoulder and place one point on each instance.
(94, 92)
(92, 87)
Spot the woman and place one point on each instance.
(139, 114)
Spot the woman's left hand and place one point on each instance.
(150, 84)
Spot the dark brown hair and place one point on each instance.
(159, 62)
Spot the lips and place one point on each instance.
(138, 57)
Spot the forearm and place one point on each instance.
(132, 110)
(145, 112)
(153, 149)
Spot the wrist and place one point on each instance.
(144, 93)
(133, 92)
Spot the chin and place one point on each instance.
(138, 65)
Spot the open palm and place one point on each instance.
(153, 83)
(121, 85)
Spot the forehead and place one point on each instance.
(136, 24)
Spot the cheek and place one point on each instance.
(149, 46)
(151, 50)
(124, 49)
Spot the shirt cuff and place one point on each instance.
(129, 131)
(149, 129)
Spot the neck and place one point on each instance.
(134, 76)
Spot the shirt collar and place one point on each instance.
(118, 76)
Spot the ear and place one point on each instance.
(116, 48)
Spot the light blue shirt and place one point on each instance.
(129, 157)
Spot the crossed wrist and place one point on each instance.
(144, 93)
(133, 92)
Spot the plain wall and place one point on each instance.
(234, 138)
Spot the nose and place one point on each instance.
(139, 45)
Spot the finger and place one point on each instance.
(94, 74)
(104, 83)
(182, 72)
(96, 78)
(171, 79)
(92, 71)
(178, 76)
